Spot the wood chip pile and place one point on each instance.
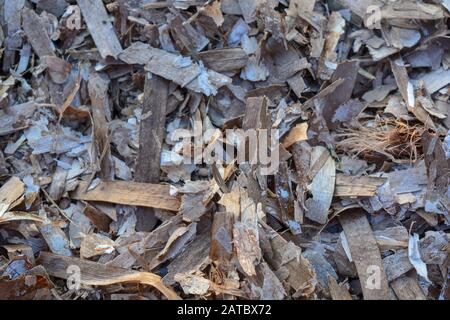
(132, 162)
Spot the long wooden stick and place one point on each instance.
(151, 136)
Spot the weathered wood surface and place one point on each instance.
(130, 193)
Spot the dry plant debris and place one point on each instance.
(224, 149)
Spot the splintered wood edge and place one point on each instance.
(97, 274)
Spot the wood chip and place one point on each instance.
(130, 193)
(175, 68)
(37, 34)
(297, 133)
(365, 254)
(10, 193)
(338, 292)
(322, 187)
(100, 27)
(407, 288)
(354, 186)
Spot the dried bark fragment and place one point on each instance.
(55, 7)
(186, 36)
(58, 69)
(397, 264)
(192, 208)
(335, 28)
(354, 186)
(296, 134)
(98, 92)
(299, 274)
(152, 130)
(245, 236)
(100, 27)
(98, 218)
(12, 25)
(151, 137)
(285, 197)
(130, 193)
(338, 291)
(175, 244)
(407, 288)
(222, 238)
(176, 68)
(195, 258)
(365, 254)
(37, 34)
(301, 153)
(402, 79)
(321, 187)
(58, 183)
(256, 114)
(97, 274)
(393, 238)
(33, 284)
(95, 244)
(10, 194)
(56, 239)
(272, 288)
(332, 111)
(222, 60)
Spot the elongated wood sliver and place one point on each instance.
(365, 254)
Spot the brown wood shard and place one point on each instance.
(222, 238)
(337, 291)
(129, 193)
(366, 255)
(37, 34)
(151, 134)
(151, 138)
(100, 27)
(97, 274)
(98, 92)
